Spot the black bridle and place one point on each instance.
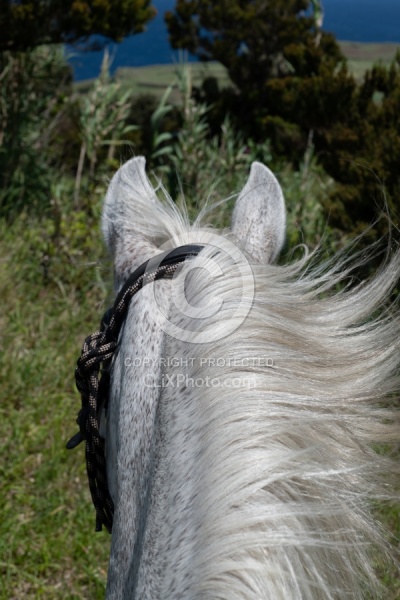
(99, 348)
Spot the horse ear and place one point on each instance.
(129, 196)
(258, 219)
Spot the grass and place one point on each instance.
(362, 56)
(48, 548)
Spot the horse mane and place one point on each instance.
(281, 453)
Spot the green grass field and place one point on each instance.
(48, 548)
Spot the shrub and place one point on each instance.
(34, 89)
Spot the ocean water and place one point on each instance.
(351, 20)
(363, 20)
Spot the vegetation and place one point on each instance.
(287, 73)
(30, 23)
(294, 81)
(33, 91)
(362, 153)
(59, 143)
(51, 285)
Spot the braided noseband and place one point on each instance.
(99, 348)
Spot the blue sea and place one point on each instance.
(351, 20)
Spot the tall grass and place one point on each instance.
(103, 121)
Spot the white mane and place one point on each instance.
(254, 477)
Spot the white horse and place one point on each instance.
(244, 402)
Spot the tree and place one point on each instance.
(247, 36)
(287, 73)
(33, 93)
(293, 87)
(362, 153)
(29, 23)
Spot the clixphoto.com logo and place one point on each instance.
(245, 379)
(178, 380)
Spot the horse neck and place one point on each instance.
(153, 449)
(176, 521)
(131, 439)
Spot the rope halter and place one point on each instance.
(99, 349)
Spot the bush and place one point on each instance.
(362, 154)
(34, 89)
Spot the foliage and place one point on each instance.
(287, 73)
(222, 31)
(29, 23)
(158, 148)
(293, 87)
(34, 89)
(103, 120)
(362, 153)
(305, 192)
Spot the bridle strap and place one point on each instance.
(99, 348)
